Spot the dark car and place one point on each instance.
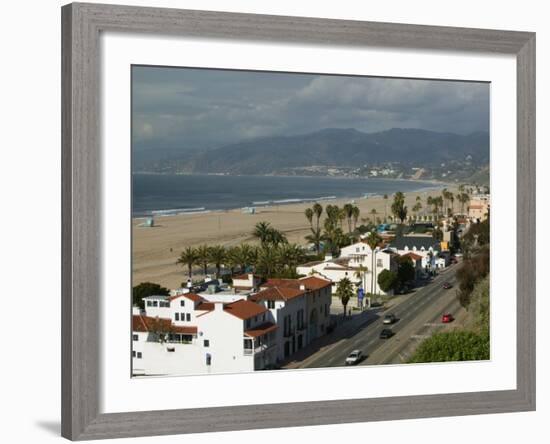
(386, 333)
(447, 285)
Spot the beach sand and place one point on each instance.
(156, 249)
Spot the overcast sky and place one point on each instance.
(200, 108)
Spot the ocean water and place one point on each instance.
(162, 194)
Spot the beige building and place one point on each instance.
(479, 207)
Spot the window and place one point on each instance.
(207, 343)
(164, 304)
(208, 359)
(133, 354)
(182, 303)
(379, 263)
(149, 304)
(139, 355)
(270, 304)
(135, 338)
(155, 303)
(248, 323)
(357, 250)
(188, 317)
(177, 316)
(186, 339)
(170, 349)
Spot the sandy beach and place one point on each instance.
(156, 249)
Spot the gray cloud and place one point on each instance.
(197, 108)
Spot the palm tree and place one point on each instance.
(309, 216)
(444, 194)
(344, 291)
(290, 256)
(416, 208)
(203, 253)
(355, 214)
(315, 238)
(243, 256)
(188, 257)
(398, 207)
(385, 207)
(267, 261)
(373, 239)
(318, 211)
(262, 231)
(217, 255)
(348, 212)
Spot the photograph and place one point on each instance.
(286, 220)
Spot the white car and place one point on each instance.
(354, 357)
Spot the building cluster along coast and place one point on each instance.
(271, 303)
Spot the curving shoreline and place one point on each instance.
(154, 250)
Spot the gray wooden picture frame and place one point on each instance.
(81, 167)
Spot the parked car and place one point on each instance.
(386, 333)
(447, 317)
(447, 285)
(389, 319)
(354, 357)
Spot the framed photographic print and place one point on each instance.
(282, 221)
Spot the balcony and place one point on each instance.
(260, 349)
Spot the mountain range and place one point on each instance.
(328, 147)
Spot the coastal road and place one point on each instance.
(416, 315)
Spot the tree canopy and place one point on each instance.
(147, 289)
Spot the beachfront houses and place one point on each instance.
(433, 256)
(226, 330)
(358, 263)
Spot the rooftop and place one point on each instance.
(143, 324)
(415, 241)
(244, 309)
(277, 294)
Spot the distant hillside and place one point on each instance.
(334, 147)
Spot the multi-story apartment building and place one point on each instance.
(226, 331)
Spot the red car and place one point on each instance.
(447, 317)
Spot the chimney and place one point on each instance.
(302, 287)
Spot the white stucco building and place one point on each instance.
(425, 246)
(358, 263)
(227, 331)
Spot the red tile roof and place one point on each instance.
(205, 306)
(277, 294)
(310, 283)
(244, 309)
(261, 329)
(146, 323)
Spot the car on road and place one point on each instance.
(389, 319)
(447, 285)
(354, 357)
(447, 317)
(386, 333)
